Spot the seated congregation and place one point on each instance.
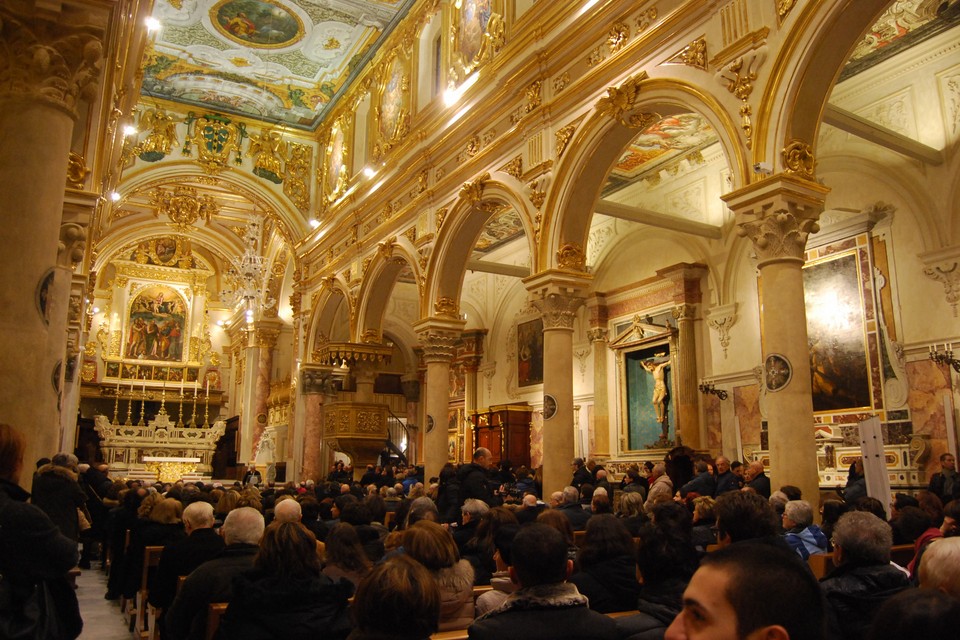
(460, 558)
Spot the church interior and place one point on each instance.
(287, 232)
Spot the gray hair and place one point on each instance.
(800, 512)
(476, 508)
(863, 537)
(600, 491)
(631, 504)
(660, 468)
(199, 515)
(287, 511)
(571, 495)
(243, 525)
(940, 566)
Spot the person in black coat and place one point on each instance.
(213, 580)
(608, 574)
(703, 484)
(285, 595)
(757, 479)
(727, 480)
(32, 549)
(570, 507)
(181, 557)
(57, 492)
(448, 494)
(581, 475)
(473, 479)
(161, 527)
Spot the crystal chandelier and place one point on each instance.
(245, 283)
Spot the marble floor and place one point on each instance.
(101, 618)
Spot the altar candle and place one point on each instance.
(208, 388)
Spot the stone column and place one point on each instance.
(688, 412)
(46, 68)
(557, 295)
(410, 384)
(438, 339)
(316, 383)
(777, 215)
(601, 400)
(262, 340)
(473, 357)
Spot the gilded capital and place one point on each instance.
(438, 345)
(684, 312)
(49, 62)
(266, 338)
(558, 310)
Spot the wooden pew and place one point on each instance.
(902, 554)
(151, 558)
(461, 634)
(215, 611)
(821, 564)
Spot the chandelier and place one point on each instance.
(245, 277)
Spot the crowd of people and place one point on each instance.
(712, 553)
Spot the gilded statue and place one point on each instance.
(162, 136)
(268, 149)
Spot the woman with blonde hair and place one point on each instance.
(432, 546)
(162, 526)
(227, 503)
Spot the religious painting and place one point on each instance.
(835, 333)
(651, 420)
(663, 141)
(336, 160)
(530, 353)
(257, 23)
(499, 230)
(472, 23)
(391, 101)
(156, 325)
(43, 295)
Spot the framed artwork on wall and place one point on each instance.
(530, 353)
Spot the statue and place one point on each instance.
(659, 395)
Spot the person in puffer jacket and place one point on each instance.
(802, 535)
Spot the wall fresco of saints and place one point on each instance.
(474, 15)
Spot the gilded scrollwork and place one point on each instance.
(77, 171)
(563, 138)
(161, 137)
(447, 307)
(620, 101)
(216, 138)
(798, 160)
(184, 206)
(296, 174)
(571, 256)
(738, 78)
(472, 192)
(692, 55)
(618, 37)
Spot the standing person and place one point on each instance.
(661, 486)
(946, 483)
(757, 479)
(252, 476)
(581, 475)
(34, 554)
(727, 480)
(473, 478)
(57, 492)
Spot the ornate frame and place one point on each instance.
(394, 68)
(461, 67)
(333, 191)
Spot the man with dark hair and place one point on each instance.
(703, 484)
(745, 516)
(751, 591)
(545, 605)
(945, 484)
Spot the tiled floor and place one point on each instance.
(101, 618)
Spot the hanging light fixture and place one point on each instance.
(245, 278)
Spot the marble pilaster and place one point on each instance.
(46, 68)
(557, 295)
(777, 215)
(265, 340)
(688, 419)
(316, 385)
(438, 339)
(601, 401)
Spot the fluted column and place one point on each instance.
(438, 339)
(777, 215)
(601, 401)
(557, 295)
(45, 69)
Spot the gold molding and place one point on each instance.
(799, 160)
(447, 307)
(751, 41)
(693, 55)
(571, 256)
(622, 99)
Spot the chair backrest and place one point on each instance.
(215, 611)
(180, 581)
(578, 538)
(821, 564)
(151, 558)
(902, 554)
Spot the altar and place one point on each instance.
(159, 448)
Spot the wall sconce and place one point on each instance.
(709, 389)
(945, 356)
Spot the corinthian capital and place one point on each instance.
(778, 214)
(558, 310)
(439, 345)
(48, 62)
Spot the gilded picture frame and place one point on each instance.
(392, 110)
(337, 159)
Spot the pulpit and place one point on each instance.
(505, 431)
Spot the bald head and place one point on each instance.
(243, 525)
(529, 500)
(287, 511)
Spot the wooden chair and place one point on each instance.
(144, 617)
(821, 564)
(902, 554)
(215, 611)
(578, 538)
(457, 634)
(123, 599)
(388, 518)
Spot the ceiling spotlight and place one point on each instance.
(114, 196)
(96, 309)
(314, 223)
(369, 171)
(152, 24)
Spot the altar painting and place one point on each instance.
(651, 420)
(840, 373)
(530, 353)
(156, 325)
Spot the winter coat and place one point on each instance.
(610, 584)
(32, 550)
(502, 587)
(662, 486)
(473, 484)
(657, 606)
(937, 486)
(807, 541)
(265, 607)
(854, 593)
(146, 534)
(577, 515)
(210, 582)
(179, 558)
(761, 484)
(456, 596)
(57, 492)
(448, 501)
(580, 477)
(727, 481)
(544, 612)
(702, 484)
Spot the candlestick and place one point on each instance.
(196, 392)
(143, 399)
(129, 421)
(206, 407)
(180, 415)
(116, 399)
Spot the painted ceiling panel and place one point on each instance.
(276, 60)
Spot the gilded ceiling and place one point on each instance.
(281, 61)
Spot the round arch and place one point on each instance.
(456, 238)
(381, 278)
(597, 145)
(819, 37)
(324, 313)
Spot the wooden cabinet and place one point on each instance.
(505, 431)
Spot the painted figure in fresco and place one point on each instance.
(241, 25)
(176, 341)
(153, 333)
(137, 341)
(659, 388)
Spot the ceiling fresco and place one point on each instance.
(500, 229)
(281, 61)
(904, 24)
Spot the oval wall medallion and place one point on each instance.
(777, 372)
